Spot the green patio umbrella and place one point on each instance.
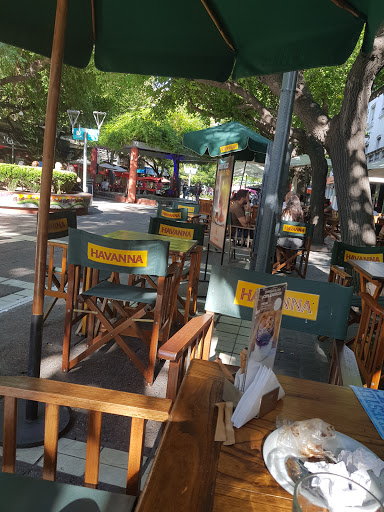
(211, 39)
(229, 138)
(197, 39)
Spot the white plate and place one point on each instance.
(275, 458)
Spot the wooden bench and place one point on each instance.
(96, 401)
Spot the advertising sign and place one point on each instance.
(221, 201)
(265, 330)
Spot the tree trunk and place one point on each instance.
(319, 178)
(346, 150)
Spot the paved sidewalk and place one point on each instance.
(298, 354)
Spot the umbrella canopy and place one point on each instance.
(210, 38)
(246, 144)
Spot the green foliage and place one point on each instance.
(63, 181)
(29, 178)
(206, 174)
(143, 125)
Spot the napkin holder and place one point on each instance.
(268, 402)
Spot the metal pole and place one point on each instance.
(273, 188)
(85, 189)
(13, 152)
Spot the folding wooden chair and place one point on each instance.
(298, 230)
(56, 282)
(205, 212)
(310, 307)
(192, 208)
(180, 214)
(97, 403)
(341, 271)
(238, 236)
(119, 308)
(368, 346)
(190, 269)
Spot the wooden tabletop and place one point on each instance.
(372, 269)
(176, 245)
(193, 472)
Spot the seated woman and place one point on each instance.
(292, 212)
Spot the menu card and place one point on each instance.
(256, 378)
(373, 402)
(266, 322)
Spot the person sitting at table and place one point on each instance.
(327, 206)
(292, 212)
(240, 210)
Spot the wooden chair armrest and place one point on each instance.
(86, 397)
(174, 348)
(340, 271)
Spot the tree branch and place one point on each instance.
(31, 71)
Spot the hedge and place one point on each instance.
(14, 177)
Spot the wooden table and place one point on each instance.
(370, 272)
(25, 494)
(177, 246)
(193, 472)
(179, 250)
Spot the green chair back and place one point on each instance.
(310, 306)
(295, 229)
(172, 213)
(59, 222)
(188, 205)
(341, 253)
(184, 230)
(148, 257)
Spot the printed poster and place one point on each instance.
(221, 197)
(266, 322)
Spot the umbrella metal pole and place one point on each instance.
(36, 328)
(272, 199)
(85, 164)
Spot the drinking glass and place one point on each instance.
(327, 492)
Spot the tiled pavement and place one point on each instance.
(71, 461)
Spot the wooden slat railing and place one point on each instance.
(97, 401)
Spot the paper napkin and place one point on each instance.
(263, 382)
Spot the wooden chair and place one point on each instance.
(191, 268)
(298, 230)
(341, 271)
(96, 402)
(238, 236)
(205, 211)
(57, 276)
(332, 225)
(115, 310)
(310, 307)
(367, 350)
(205, 207)
(180, 214)
(254, 211)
